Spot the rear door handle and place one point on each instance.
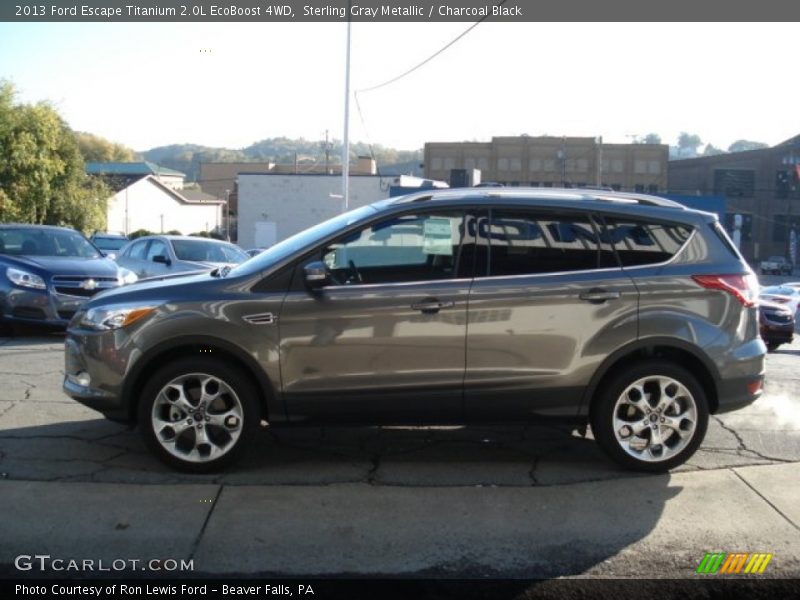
(431, 307)
(598, 296)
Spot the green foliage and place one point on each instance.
(94, 148)
(174, 232)
(691, 142)
(651, 138)
(215, 235)
(744, 145)
(712, 150)
(42, 176)
(139, 233)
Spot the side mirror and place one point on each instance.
(110, 255)
(160, 258)
(316, 274)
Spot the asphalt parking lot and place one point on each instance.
(510, 501)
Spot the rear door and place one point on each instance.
(549, 303)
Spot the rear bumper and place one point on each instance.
(739, 392)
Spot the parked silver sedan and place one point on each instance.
(160, 255)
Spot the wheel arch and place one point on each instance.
(677, 351)
(188, 346)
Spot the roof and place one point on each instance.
(194, 195)
(195, 238)
(130, 168)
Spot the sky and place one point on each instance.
(217, 84)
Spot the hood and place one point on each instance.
(66, 265)
(156, 288)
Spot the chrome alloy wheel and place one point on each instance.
(197, 417)
(655, 418)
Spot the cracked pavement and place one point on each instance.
(343, 482)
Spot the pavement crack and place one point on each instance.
(8, 408)
(743, 447)
(765, 499)
(199, 538)
(371, 474)
(532, 472)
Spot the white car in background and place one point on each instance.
(787, 295)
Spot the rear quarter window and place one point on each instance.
(639, 242)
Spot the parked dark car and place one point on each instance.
(627, 312)
(776, 324)
(48, 273)
(109, 243)
(161, 255)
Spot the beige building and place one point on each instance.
(554, 162)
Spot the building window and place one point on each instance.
(449, 163)
(515, 184)
(617, 187)
(535, 164)
(734, 183)
(516, 164)
(783, 184)
(783, 223)
(652, 188)
(547, 184)
(436, 163)
(654, 167)
(570, 165)
(469, 163)
(618, 165)
(483, 163)
(534, 184)
(747, 226)
(549, 165)
(502, 164)
(639, 188)
(605, 166)
(640, 167)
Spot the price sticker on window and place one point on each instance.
(437, 237)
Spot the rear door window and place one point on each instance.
(639, 242)
(526, 242)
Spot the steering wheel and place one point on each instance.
(354, 274)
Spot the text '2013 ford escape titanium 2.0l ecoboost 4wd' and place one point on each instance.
(630, 313)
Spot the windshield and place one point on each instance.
(205, 251)
(300, 240)
(109, 243)
(45, 242)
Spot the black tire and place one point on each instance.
(234, 378)
(603, 407)
(771, 347)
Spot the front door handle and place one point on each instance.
(598, 296)
(432, 306)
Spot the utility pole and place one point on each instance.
(327, 154)
(346, 140)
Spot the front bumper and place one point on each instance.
(94, 369)
(39, 307)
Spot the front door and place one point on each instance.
(384, 338)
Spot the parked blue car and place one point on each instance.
(47, 273)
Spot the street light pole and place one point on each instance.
(346, 141)
(227, 220)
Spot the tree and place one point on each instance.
(744, 145)
(42, 176)
(651, 138)
(688, 144)
(712, 150)
(94, 148)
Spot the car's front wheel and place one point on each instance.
(197, 414)
(651, 417)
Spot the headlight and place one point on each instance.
(25, 279)
(114, 317)
(125, 276)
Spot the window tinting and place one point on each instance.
(640, 243)
(137, 250)
(157, 248)
(418, 247)
(527, 242)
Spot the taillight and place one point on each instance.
(742, 287)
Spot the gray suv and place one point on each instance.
(629, 313)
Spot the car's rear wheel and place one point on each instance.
(198, 414)
(771, 346)
(651, 417)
